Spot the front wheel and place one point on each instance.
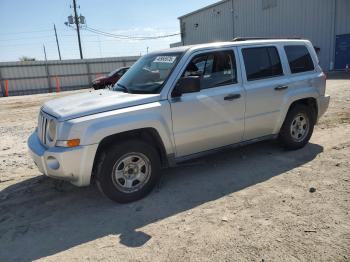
(128, 171)
(298, 127)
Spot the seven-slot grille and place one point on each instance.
(42, 126)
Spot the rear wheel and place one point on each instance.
(128, 171)
(298, 127)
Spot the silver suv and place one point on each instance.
(178, 104)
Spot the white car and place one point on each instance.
(177, 104)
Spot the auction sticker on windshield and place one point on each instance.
(165, 59)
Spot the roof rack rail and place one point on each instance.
(237, 39)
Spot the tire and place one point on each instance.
(128, 171)
(298, 127)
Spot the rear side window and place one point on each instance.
(299, 58)
(262, 62)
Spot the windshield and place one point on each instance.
(148, 74)
(113, 72)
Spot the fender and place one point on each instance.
(290, 98)
(93, 129)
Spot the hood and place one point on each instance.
(94, 102)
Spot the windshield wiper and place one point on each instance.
(123, 87)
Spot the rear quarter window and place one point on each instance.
(262, 62)
(299, 58)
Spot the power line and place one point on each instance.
(25, 32)
(96, 31)
(127, 36)
(26, 44)
(24, 38)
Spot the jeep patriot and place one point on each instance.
(177, 104)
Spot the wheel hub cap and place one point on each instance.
(299, 127)
(131, 172)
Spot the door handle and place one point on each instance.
(231, 97)
(279, 88)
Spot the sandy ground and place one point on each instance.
(247, 204)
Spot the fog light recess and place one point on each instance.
(53, 163)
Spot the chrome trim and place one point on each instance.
(43, 121)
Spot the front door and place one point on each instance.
(213, 117)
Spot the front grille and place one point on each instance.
(42, 124)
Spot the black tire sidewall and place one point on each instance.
(112, 154)
(285, 136)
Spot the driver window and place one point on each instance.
(195, 67)
(214, 69)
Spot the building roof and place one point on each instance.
(203, 8)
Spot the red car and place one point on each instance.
(110, 79)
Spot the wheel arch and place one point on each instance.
(149, 135)
(308, 101)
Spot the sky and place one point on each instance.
(27, 25)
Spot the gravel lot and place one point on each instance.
(247, 204)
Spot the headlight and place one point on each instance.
(51, 130)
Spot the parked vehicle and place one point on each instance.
(178, 104)
(110, 79)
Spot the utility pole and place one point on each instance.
(47, 71)
(45, 53)
(58, 45)
(76, 20)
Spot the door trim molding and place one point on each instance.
(175, 161)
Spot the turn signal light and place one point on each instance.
(73, 142)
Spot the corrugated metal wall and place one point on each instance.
(311, 19)
(24, 78)
(212, 24)
(317, 20)
(342, 17)
(175, 44)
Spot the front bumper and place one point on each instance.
(323, 103)
(71, 164)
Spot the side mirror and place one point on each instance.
(189, 84)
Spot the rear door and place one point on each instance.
(265, 84)
(213, 117)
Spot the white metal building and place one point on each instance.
(325, 22)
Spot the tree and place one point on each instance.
(26, 58)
